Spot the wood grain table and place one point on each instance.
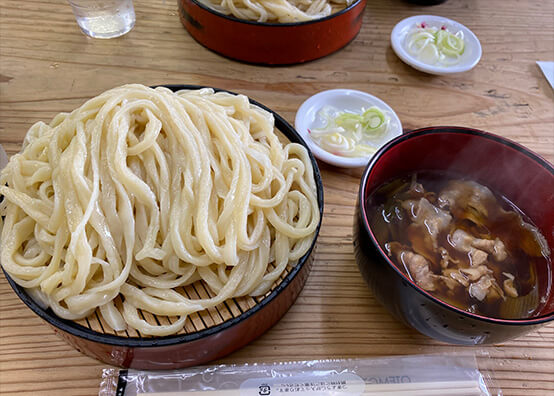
(47, 65)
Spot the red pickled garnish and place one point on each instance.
(443, 27)
(309, 131)
(423, 25)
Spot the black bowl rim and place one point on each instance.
(446, 130)
(274, 24)
(77, 330)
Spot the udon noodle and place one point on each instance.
(141, 191)
(278, 11)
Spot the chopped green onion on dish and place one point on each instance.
(350, 134)
(435, 46)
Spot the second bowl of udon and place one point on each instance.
(275, 34)
(170, 244)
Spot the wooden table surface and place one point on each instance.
(47, 65)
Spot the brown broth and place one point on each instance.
(391, 223)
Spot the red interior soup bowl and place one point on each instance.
(521, 178)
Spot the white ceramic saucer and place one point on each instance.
(346, 100)
(470, 57)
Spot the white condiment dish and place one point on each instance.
(349, 100)
(470, 57)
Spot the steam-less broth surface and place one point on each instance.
(461, 242)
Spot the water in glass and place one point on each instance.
(104, 18)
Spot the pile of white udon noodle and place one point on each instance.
(278, 11)
(141, 191)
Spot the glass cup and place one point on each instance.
(104, 18)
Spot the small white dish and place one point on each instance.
(345, 100)
(470, 57)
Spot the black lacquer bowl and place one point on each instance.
(213, 335)
(508, 168)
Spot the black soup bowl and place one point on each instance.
(504, 166)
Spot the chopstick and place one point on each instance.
(470, 391)
(458, 388)
(429, 388)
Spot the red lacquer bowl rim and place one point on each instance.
(232, 18)
(445, 130)
(77, 330)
